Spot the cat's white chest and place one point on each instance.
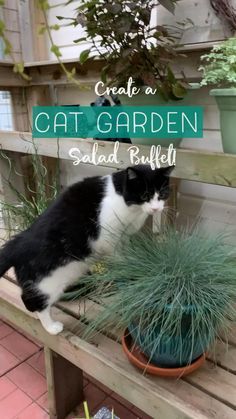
(116, 219)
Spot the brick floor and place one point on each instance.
(7, 360)
(43, 401)
(5, 330)
(37, 362)
(19, 346)
(23, 391)
(6, 387)
(33, 412)
(13, 404)
(27, 379)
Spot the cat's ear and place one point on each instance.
(165, 171)
(131, 173)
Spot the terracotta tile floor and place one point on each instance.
(23, 392)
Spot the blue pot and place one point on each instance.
(172, 351)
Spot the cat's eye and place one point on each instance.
(163, 195)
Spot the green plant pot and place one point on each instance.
(226, 101)
(173, 350)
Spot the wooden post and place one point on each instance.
(65, 385)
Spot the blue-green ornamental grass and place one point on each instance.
(160, 281)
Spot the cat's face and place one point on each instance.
(147, 188)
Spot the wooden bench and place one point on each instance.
(208, 393)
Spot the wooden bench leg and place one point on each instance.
(65, 385)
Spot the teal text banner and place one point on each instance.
(118, 122)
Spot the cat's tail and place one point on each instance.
(6, 257)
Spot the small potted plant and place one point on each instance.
(120, 34)
(220, 70)
(172, 294)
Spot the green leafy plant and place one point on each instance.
(182, 278)
(220, 64)
(120, 34)
(28, 205)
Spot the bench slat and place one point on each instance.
(207, 378)
(225, 356)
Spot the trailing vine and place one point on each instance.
(44, 6)
(18, 66)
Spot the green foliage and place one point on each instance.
(84, 56)
(29, 205)
(2, 27)
(220, 64)
(153, 281)
(43, 5)
(55, 49)
(20, 69)
(120, 34)
(43, 28)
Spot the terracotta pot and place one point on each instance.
(137, 358)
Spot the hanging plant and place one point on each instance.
(120, 34)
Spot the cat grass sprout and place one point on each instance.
(154, 279)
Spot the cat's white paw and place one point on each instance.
(55, 328)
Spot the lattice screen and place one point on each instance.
(6, 111)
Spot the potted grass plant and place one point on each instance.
(173, 295)
(220, 69)
(120, 34)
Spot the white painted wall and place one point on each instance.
(67, 34)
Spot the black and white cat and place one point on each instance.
(86, 220)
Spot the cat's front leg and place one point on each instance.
(40, 296)
(51, 326)
(39, 303)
